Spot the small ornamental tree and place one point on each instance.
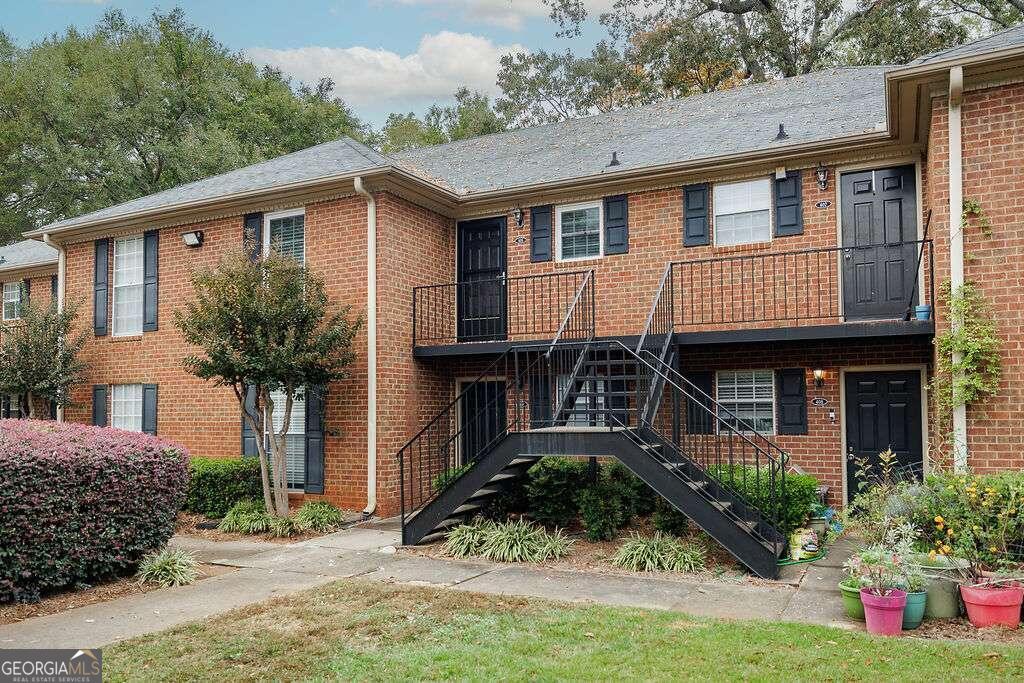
(264, 326)
(39, 355)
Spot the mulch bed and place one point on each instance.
(588, 556)
(112, 590)
(961, 629)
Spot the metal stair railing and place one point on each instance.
(656, 339)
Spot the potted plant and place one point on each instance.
(883, 601)
(850, 589)
(819, 519)
(915, 583)
(993, 602)
(942, 574)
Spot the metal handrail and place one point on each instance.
(654, 306)
(587, 279)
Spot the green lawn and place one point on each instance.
(355, 630)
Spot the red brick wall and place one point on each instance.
(993, 150)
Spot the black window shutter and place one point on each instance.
(249, 447)
(791, 400)
(789, 212)
(695, 216)
(5, 407)
(314, 440)
(53, 289)
(149, 408)
(252, 235)
(540, 233)
(99, 405)
(699, 411)
(616, 224)
(99, 289)
(150, 268)
(540, 401)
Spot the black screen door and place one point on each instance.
(482, 417)
(481, 295)
(879, 257)
(883, 410)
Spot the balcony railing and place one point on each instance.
(527, 308)
(806, 287)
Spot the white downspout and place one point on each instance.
(371, 347)
(61, 269)
(956, 241)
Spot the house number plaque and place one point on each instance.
(819, 402)
(823, 204)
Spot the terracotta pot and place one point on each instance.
(884, 613)
(993, 606)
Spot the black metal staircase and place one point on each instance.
(585, 398)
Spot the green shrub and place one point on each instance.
(79, 504)
(318, 516)
(800, 493)
(551, 490)
(219, 483)
(514, 541)
(639, 498)
(442, 480)
(603, 510)
(669, 520)
(246, 517)
(660, 552)
(169, 567)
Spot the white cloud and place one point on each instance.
(505, 13)
(378, 79)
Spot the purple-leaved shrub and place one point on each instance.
(82, 504)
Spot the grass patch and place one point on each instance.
(357, 630)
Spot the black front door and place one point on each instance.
(879, 214)
(883, 411)
(481, 296)
(482, 417)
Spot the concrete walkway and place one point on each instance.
(807, 593)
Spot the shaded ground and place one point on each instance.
(362, 630)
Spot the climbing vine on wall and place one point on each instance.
(972, 209)
(972, 339)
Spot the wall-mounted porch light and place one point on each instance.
(819, 377)
(517, 216)
(822, 173)
(193, 238)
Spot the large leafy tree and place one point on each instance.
(469, 116)
(266, 326)
(672, 48)
(129, 108)
(39, 355)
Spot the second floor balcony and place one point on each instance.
(829, 292)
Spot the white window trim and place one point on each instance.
(775, 417)
(286, 213)
(113, 402)
(114, 286)
(558, 229)
(771, 212)
(18, 287)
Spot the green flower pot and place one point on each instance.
(944, 575)
(913, 613)
(851, 602)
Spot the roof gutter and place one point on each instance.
(371, 346)
(956, 243)
(61, 270)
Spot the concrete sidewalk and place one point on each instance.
(807, 594)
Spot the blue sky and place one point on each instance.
(384, 55)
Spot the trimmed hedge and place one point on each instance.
(218, 483)
(801, 493)
(82, 504)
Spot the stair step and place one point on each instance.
(522, 461)
(434, 536)
(484, 492)
(722, 505)
(501, 476)
(466, 507)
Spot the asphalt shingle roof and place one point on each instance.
(320, 161)
(1000, 40)
(26, 254)
(816, 107)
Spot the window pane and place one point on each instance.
(580, 232)
(128, 275)
(126, 407)
(742, 212)
(587, 410)
(12, 300)
(287, 236)
(747, 399)
(295, 441)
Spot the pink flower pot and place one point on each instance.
(883, 613)
(998, 605)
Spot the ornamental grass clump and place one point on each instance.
(81, 505)
(660, 552)
(317, 516)
(246, 517)
(512, 541)
(169, 567)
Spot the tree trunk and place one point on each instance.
(278, 453)
(31, 405)
(256, 424)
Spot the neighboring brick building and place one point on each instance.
(28, 271)
(775, 233)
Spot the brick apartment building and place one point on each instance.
(752, 270)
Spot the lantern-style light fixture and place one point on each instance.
(822, 173)
(517, 216)
(819, 377)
